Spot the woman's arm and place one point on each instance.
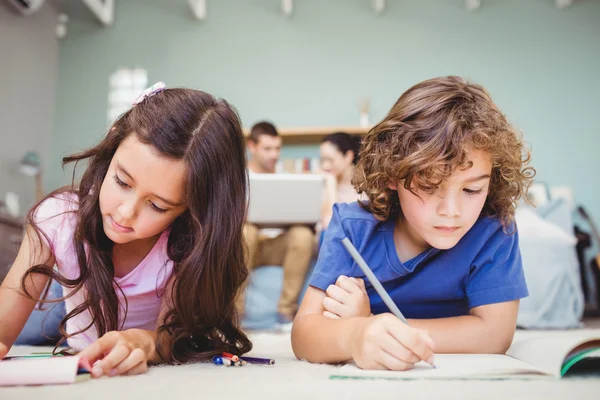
(15, 306)
(329, 199)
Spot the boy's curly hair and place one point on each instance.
(426, 136)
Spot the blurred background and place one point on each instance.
(311, 67)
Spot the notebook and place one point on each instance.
(534, 358)
(43, 371)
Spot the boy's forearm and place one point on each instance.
(466, 334)
(319, 339)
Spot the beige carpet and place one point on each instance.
(293, 379)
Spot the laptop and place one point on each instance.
(278, 200)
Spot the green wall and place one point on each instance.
(541, 65)
(28, 74)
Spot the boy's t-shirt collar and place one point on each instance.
(402, 268)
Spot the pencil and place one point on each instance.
(29, 356)
(375, 282)
(373, 279)
(233, 357)
(256, 360)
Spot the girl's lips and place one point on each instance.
(119, 228)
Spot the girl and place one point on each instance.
(149, 245)
(339, 155)
(442, 173)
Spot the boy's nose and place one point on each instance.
(449, 206)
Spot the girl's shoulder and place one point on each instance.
(54, 220)
(57, 206)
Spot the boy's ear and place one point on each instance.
(392, 185)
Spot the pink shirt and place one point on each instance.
(143, 286)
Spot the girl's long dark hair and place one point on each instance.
(205, 242)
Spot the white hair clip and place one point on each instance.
(151, 91)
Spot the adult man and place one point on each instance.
(292, 246)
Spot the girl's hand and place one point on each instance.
(120, 353)
(385, 342)
(347, 298)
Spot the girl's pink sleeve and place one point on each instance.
(51, 215)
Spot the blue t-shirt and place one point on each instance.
(483, 268)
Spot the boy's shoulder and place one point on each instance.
(488, 230)
(350, 211)
(355, 221)
(488, 225)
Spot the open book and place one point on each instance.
(42, 371)
(542, 357)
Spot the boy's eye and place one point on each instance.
(429, 189)
(157, 209)
(120, 182)
(472, 192)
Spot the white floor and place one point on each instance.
(293, 379)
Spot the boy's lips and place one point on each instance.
(446, 229)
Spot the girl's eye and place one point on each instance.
(120, 182)
(157, 209)
(472, 192)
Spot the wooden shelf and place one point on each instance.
(313, 135)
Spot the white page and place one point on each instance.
(39, 371)
(454, 366)
(548, 353)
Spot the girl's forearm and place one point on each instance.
(466, 334)
(15, 306)
(319, 339)
(15, 309)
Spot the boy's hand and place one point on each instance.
(347, 298)
(3, 350)
(120, 353)
(385, 342)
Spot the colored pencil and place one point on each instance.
(257, 360)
